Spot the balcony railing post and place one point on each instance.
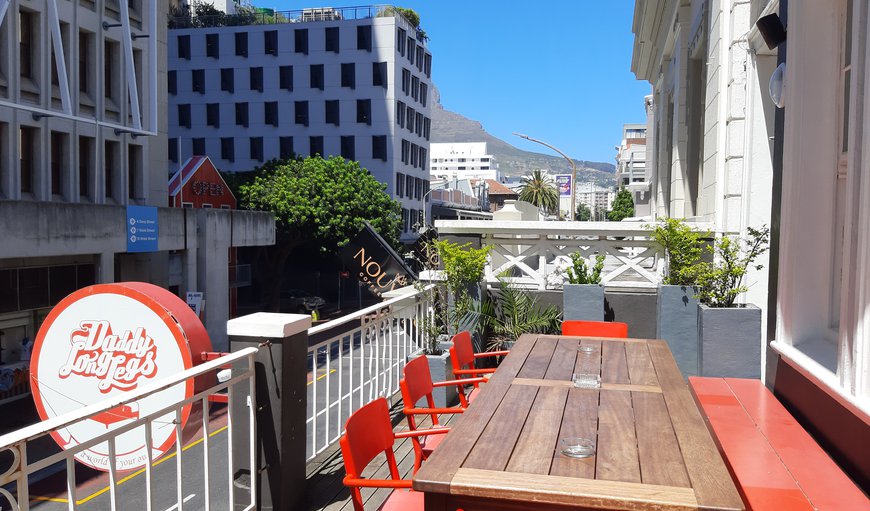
(281, 401)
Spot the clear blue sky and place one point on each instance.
(558, 71)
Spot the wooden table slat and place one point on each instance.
(614, 367)
(704, 465)
(539, 359)
(562, 364)
(533, 453)
(494, 446)
(580, 420)
(511, 365)
(570, 384)
(617, 443)
(661, 461)
(640, 367)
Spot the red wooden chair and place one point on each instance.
(368, 432)
(463, 356)
(416, 384)
(595, 328)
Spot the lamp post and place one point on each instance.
(573, 169)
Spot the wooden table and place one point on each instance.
(654, 451)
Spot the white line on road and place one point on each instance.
(192, 495)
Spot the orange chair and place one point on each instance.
(368, 432)
(463, 356)
(416, 384)
(595, 328)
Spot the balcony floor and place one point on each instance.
(324, 474)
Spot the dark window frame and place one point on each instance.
(332, 112)
(300, 41)
(241, 43)
(270, 42)
(228, 148)
(348, 78)
(256, 78)
(317, 78)
(212, 45)
(300, 113)
(332, 39)
(256, 148)
(364, 111)
(285, 77)
(364, 37)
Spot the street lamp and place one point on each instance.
(573, 170)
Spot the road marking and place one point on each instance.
(175, 506)
(322, 376)
(131, 476)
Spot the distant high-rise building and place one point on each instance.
(350, 82)
(631, 169)
(463, 160)
(597, 198)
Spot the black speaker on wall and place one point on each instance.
(772, 30)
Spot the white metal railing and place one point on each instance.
(18, 474)
(361, 359)
(530, 254)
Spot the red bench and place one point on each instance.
(776, 464)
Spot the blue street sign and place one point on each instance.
(141, 229)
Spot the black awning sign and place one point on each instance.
(376, 263)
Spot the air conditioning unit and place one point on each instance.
(321, 14)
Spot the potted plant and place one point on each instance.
(510, 312)
(583, 294)
(453, 300)
(677, 295)
(730, 333)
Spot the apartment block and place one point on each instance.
(353, 82)
(463, 160)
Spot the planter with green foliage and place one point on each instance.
(509, 312)
(583, 295)
(676, 301)
(729, 333)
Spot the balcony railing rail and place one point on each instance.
(530, 254)
(22, 468)
(361, 359)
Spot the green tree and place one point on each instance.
(622, 207)
(539, 189)
(583, 212)
(315, 200)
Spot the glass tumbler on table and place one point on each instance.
(588, 362)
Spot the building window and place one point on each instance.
(257, 79)
(414, 148)
(418, 124)
(27, 23)
(404, 219)
(111, 70)
(424, 93)
(400, 184)
(110, 163)
(285, 147)
(409, 119)
(409, 187)
(379, 147)
(406, 81)
(184, 47)
(270, 42)
(315, 146)
(348, 148)
(332, 112)
(257, 148)
(228, 148)
(400, 114)
(348, 75)
(415, 88)
(58, 161)
(212, 45)
(197, 80)
(411, 43)
(364, 37)
(86, 59)
(420, 58)
(184, 116)
(400, 40)
(198, 146)
(316, 72)
(300, 38)
(423, 160)
(228, 79)
(332, 39)
(172, 149)
(426, 126)
(379, 74)
(134, 171)
(285, 77)
(213, 114)
(364, 111)
(242, 114)
(427, 65)
(241, 44)
(172, 82)
(406, 151)
(86, 159)
(301, 112)
(419, 193)
(270, 113)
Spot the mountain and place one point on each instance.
(450, 126)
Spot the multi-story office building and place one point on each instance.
(597, 198)
(345, 82)
(462, 161)
(631, 170)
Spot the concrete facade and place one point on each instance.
(357, 88)
(631, 172)
(468, 160)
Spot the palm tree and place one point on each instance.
(539, 189)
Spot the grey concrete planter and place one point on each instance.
(677, 323)
(730, 341)
(441, 369)
(583, 301)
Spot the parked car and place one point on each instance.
(299, 301)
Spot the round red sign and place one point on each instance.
(105, 340)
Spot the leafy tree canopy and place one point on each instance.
(583, 212)
(622, 207)
(322, 200)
